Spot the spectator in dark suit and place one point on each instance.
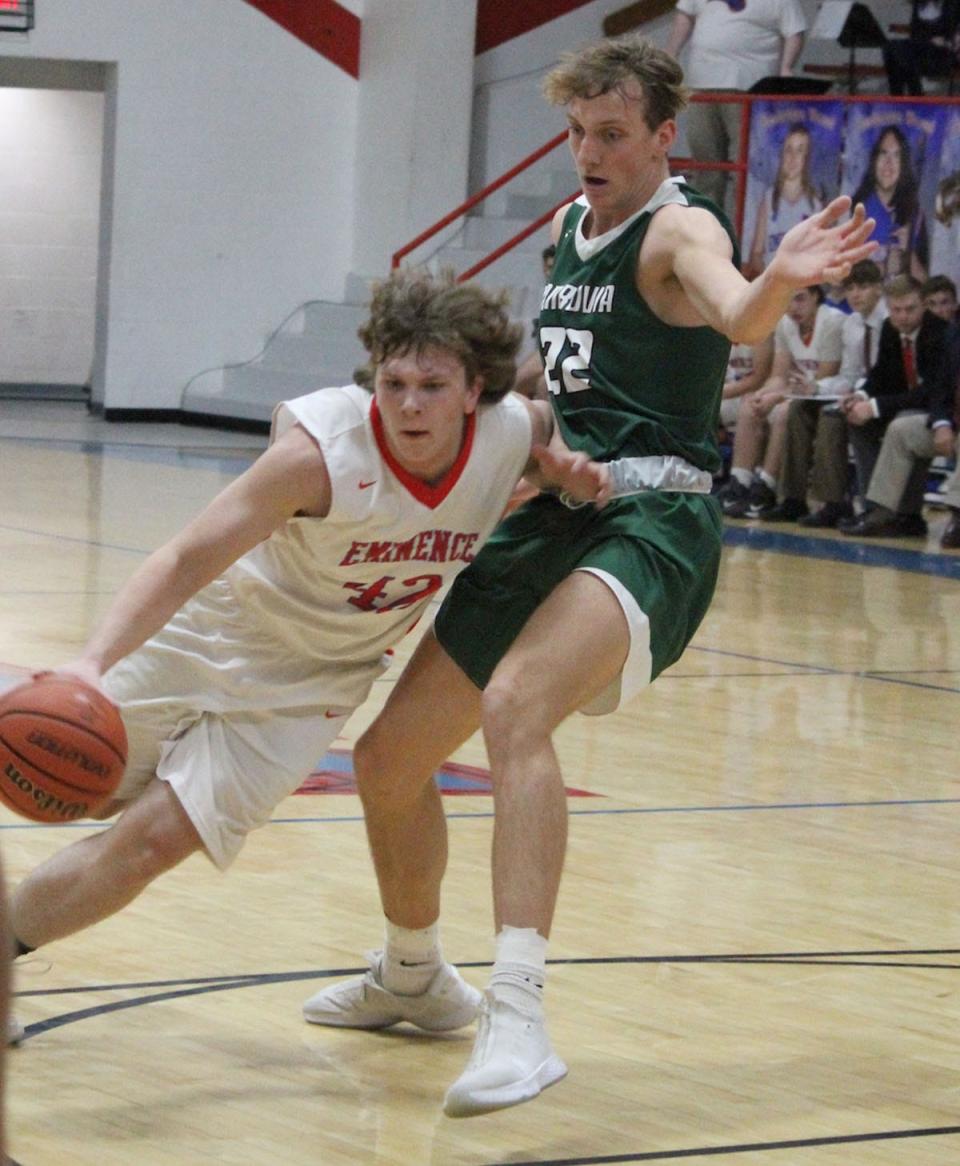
(929, 51)
(906, 379)
(911, 441)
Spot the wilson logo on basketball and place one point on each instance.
(48, 803)
(68, 753)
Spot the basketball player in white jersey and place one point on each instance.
(238, 650)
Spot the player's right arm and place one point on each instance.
(289, 478)
(691, 247)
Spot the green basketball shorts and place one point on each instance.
(658, 552)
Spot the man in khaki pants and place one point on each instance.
(816, 444)
(910, 442)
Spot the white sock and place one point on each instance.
(411, 958)
(767, 479)
(520, 969)
(744, 477)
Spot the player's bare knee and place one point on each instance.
(151, 846)
(506, 707)
(383, 773)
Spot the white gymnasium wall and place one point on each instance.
(51, 149)
(413, 139)
(229, 182)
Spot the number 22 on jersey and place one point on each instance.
(566, 358)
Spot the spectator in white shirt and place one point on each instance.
(807, 342)
(733, 44)
(816, 445)
(747, 369)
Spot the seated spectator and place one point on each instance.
(930, 50)
(816, 445)
(895, 493)
(834, 296)
(939, 295)
(806, 343)
(748, 368)
(904, 378)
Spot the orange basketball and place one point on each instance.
(63, 748)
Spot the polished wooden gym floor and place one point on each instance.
(756, 958)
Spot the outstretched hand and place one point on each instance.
(573, 474)
(822, 249)
(79, 667)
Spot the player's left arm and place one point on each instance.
(691, 246)
(554, 466)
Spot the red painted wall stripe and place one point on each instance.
(324, 25)
(501, 20)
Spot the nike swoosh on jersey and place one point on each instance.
(366, 485)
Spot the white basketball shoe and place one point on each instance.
(449, 1002)
(512, 1062)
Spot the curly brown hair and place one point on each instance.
(413, 310)
(612, 64)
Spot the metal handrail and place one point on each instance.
(478, 197)
(739, 168)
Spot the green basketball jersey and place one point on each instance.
(623, 383)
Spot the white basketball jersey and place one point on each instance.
(826, 341)
(322, 599)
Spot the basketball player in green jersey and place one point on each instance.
(575, 609)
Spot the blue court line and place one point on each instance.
(851, 551)
(202, 985)
(750, 807)
(844, 550)
(194, 986)
(174, 455)
(797, 668)
(70, 538)
(747, 807)
(738, 1148)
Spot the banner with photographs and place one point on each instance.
(901, 159)
(795, 154)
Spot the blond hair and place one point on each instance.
(413, 310)
(901, 285)
(610, 65)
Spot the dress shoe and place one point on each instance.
(951, 535)
(829, 515)
(912, 525)
(875, 523)
(788, 510)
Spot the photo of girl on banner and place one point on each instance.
(794, 171)
(945, 259)
(890, 165)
